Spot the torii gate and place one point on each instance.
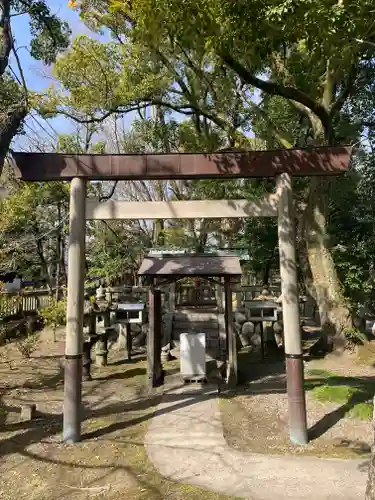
(281, 164)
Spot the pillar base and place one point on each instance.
(101, 359)
(296, 399)
(72, 398)
(232, 380)
(157, 379)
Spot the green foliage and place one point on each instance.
(319, 372)
(9, 303)
(205, 61)
(29, 222)
(355, 394)
(343, 394)
(362, 411)
(49, 36)
(354, 337)
(26, 346)
(334, 394)
(54, 315)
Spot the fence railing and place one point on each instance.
(204, 293)
(26, 301)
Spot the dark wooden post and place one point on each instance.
(75, 310)
(129, 340)
(154, 367)
(231, 336)
(86, 358)
(291, 317)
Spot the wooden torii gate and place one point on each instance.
(280, 164)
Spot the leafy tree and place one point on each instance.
(32, 221)
(231, 65)
(303, 52)
(49, 36)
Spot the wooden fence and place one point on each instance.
(25, 301)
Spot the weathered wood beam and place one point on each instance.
(196, 209)
(220, 165)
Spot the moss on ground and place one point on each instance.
(354, 392)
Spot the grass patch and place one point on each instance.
(318, 372)
(354, 392)
(362, 411)
(334, 394)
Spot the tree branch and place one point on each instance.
(346, 90)
(9, 124)
(110, 194)
(5, 35)
(274, 88)
(186, 109)
(22, 75)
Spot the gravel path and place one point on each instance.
(185, 442)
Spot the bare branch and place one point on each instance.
(22, 75)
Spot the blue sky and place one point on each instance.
(38, 75)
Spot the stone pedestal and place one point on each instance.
(28, 412)
(86, 360)
(101, 350)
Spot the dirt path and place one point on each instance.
(109, 463)
(185, 442)
(339, 391)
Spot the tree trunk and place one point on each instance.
(58, 252)
(8, 129)
(266, 269)
(370, 490)
(333, 309)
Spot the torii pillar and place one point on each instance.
(75, 310)
(291, 316)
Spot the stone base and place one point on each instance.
(28, 412)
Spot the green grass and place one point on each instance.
(355, 393)
(318, 372)
(334, 394)
(362, 411)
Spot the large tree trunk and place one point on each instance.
(11, 120)
(9, 126)
(333, 308)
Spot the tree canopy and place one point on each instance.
(49, 36)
